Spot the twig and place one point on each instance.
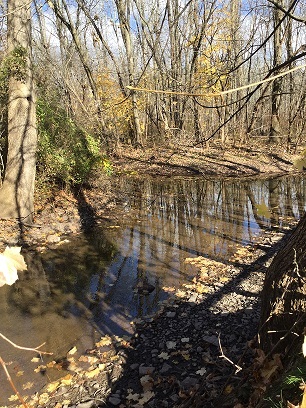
(238, 368)
(26, 348)
(12, 384)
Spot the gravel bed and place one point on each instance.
(192, 353)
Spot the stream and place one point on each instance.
(97, 283)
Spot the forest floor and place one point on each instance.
(209, 162)
(198, 350)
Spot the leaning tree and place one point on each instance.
(283, 316)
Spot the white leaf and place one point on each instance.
(304, 347)
(164, 356)
(10, 261)
(132, 397)
(14, 255)
(171, 345)
(202, 371)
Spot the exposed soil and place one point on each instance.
(174, 359)
(210, 162)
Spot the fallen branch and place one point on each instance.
(26, 348)
(12, 384)
(238, 368)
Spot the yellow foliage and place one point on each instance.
(117, 110)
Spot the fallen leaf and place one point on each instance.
(228, 389)
(105, 341)
(28, 385)
(13, 397)
(171, 345)
(36, 360)
(202, 371)
(53, 386)
(10, 261)
(180, 294)
(43, 398)
(67, 379)
(164, 355)
(132, 397)
(201, 288)
(146, 397)
(146, 382)
(93, 373)
(40, 368)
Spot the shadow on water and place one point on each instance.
(95, 283)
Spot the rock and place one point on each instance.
(53, 239)
(170, 314)
(134, 366)
(165, 368)
(174, 397)
(144, 370)
(171, 345)
(87, 404)
(211, 340)
(193, 298)
(189, 383)
(114, 400)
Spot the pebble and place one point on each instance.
(88, 404)
(114, 400)
(143, 370)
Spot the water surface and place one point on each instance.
(92, 283)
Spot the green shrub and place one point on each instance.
(66, 153)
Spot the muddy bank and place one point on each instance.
(209, 162)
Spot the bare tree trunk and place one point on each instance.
(284, 295)
(17, 192)
(275, 127)
(123, 8)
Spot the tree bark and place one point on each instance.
(17, 191)
(284, 295)
(275, 127)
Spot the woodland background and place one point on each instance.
(87, 53)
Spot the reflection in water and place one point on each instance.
(98, 283)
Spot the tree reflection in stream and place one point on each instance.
(91, 284)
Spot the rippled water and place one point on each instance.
(93, 283)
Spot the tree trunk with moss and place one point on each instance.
(17, 191)
(283, 314)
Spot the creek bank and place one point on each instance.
(241, 161)
(195, 352)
